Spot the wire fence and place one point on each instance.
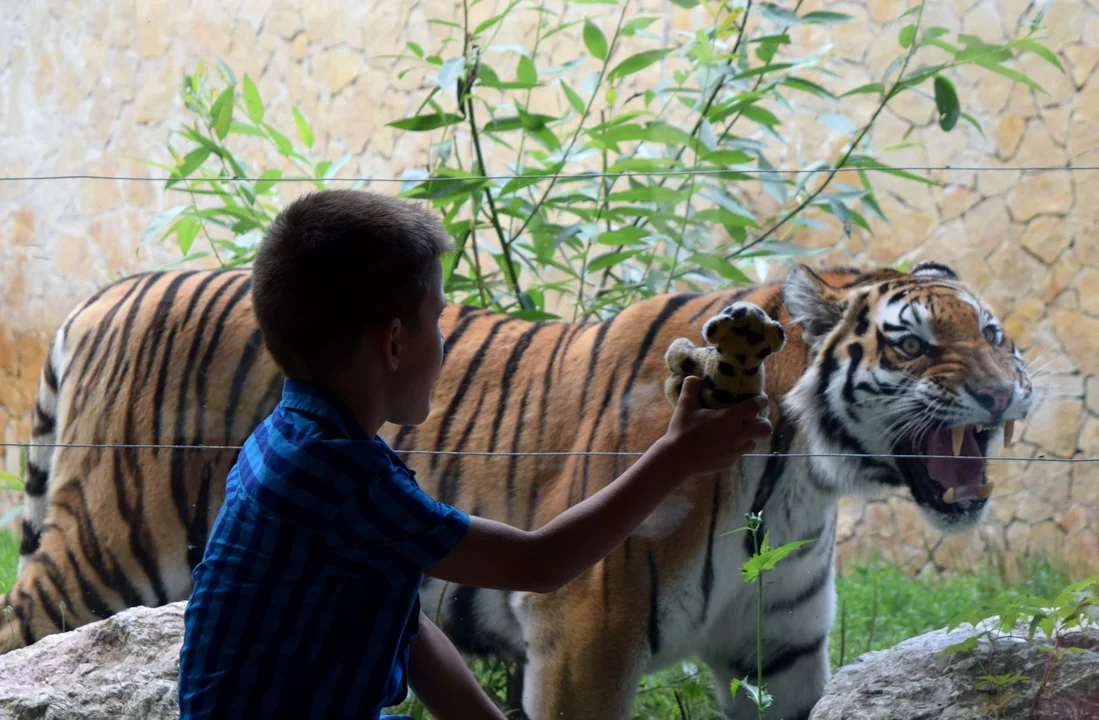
(552, 453)
(577, 176)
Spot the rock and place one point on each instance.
(123, 667)
(1046, 237)
(914, 680)
(1009, 131)
(1039, 193)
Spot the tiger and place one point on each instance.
(884, 375)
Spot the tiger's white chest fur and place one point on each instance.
(798, 595)
(718, 625)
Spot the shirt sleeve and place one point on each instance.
(392, 519)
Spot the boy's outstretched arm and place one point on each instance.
(698, 441)
(441, 680)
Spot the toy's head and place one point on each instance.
(744, 334)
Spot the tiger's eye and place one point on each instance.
(911, 346)
(991, 334)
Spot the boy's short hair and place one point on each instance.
(334, 264)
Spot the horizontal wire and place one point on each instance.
(558, 453)
(559, 176)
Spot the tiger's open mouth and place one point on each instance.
(950, 477)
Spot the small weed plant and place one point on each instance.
(1074, 608)
(763, 559)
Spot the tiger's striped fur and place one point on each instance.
(176, 358)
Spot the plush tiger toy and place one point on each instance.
(875, 362)
(731, 368)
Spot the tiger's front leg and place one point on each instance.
(583, 661)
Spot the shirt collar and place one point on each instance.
(316, 400)
(319, 401)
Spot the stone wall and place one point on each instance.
(87, 87)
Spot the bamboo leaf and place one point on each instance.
(252, 101)
(594, 40)
(946, 100)
(423, 123)
(222, 113)
(304, 131)
(636, 63)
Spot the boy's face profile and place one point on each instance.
(419, 353)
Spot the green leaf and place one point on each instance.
(973, 121)
(1040, 50)
(415, 48)
(161, 221)
(762, 116)
(266, 181)
(840, 123)
(720, 265)
(780, 15)
(636, 24)
(722, 216)
(523, 121)
(826, 17)
(423, 123)
(647, 193)
(767, 558)
(636, 63)
(726, 157)
(864, 89)
(304, 131)
(281, 141)
(1009, 73)
(222, 112)
(192, 161)
(864, 161)
(628, 235)
(450, 71)
(809, 87)
(575, 100)
(594, 40)
(946, 100)
(907, 36)
(526, 73)
(245, 129)
(612, 258)
(252, 101)
(637, 164)
(186, 229)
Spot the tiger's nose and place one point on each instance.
(994, 398)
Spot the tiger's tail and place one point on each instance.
(41, 453)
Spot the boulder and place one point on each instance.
(123, 667)
(915, 681)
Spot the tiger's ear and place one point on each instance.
(812, 303)
(932, 269)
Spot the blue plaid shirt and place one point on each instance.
(307, 597)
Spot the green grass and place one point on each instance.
(9, 558)
(880, 604)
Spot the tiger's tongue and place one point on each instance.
(954, 472)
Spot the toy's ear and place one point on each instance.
(812, 303)
(931, 269)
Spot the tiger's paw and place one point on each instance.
(740, 338)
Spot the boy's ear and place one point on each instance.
(387, 342)
(812, 303)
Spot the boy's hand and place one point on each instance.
(701, 440)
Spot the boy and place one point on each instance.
(306, 603)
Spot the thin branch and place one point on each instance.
(579, 127)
